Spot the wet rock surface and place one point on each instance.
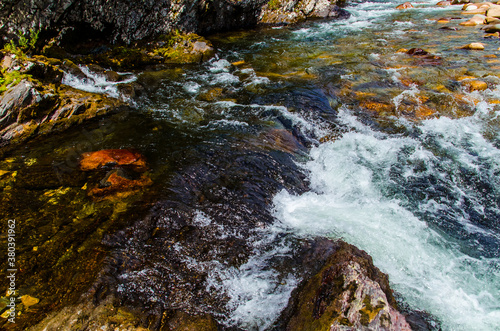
(348, 293)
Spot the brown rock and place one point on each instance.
(443, 3)
(348, 293)
(113, 157)
(405, 5)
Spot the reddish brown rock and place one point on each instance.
(405, 5)
(113, 157)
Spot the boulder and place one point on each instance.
(405, 5)
(443, 3)
(348, 293)
(286, 12)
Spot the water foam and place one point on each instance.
(357, 196)
(96, 83)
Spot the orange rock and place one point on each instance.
(405, 5)
(443, 21)
(443, 3)
(113, 157)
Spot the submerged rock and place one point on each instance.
(349, 293)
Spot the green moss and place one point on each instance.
(274, 4)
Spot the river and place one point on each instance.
(326, 128)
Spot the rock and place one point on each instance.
(451, 28)
(477, 19)
(116, 182)
(15, 99)
(113, 157)
(287, 12)
(459, 2)
(417, 52)
(181, 321)
(492, 28)
(443, 3)
(29, 301)
(348, 293)
(493, 11)
(405, 5)
(9, 61)
(474, 85)
(474, 46)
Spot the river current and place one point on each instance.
(326, 128)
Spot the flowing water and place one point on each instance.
(327, 129)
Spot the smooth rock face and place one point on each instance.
(349, 293)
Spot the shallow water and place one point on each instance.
(320, 129)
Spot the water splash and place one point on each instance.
(362, 192)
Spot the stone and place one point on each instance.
(459, 2)
(113, 157)
(475, 85)
(184, 322)
(29, 301)
(117, 181)
(348, 293)
(417, 52)
(474, 46)
(493, 11)
(492, 28)
(405, 5)
(477, 19)
(443, 3)
(16, 98)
